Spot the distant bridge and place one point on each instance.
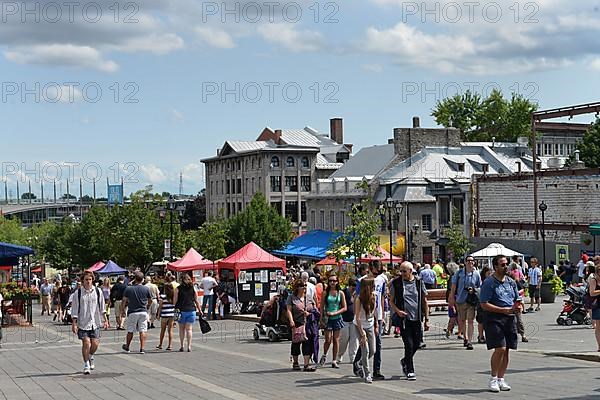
(36, 211)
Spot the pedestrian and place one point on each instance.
(594, 291)
(428, 276)
(534, 284)
(298, 310)
(485, 273)
(515, 274)
(208, 283)
(464, 294)
(136, 299)
(46, 293)
(500, 299)
(166, 311)
(153, 312)
(186, 301)
(333, 305)
(106, 293)
(364, 320)
(56, 300)
(348, 334)
(408, 299)
(116, 298)
(87, 310)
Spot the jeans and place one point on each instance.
(377, 360)
(412, 336)
(210, 300)
(367, 350)
(348, 341)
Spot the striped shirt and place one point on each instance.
(168, 309)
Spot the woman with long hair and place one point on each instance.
(106, 293)
(333, 304)
(166, 312)
(364, 319)
(298, 309)
(56, 301)
(186, 300)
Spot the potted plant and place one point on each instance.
(551, 286)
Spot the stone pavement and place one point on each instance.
(229, 364)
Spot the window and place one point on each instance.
(275, 184)
(428, 255)
(313, 218)
(291, 210)
(305, 163)
(276, 205)
(322, 219)
(239, 185)
(331, 220)
(259, 162)
(227, 186)
(259, 183)
(239, 165)
(305, 183)
(211, 187)
(222, 187)
(538, 149)
(459, 207)
(556, 149)
(228, 209)
(444, 211)
(246, 187)
(303, 211)
(547, 149)
(252, 162)
(291, 183)
(289, 162)
(570, 149)
(253, 188)
(239, 206)
(426, 222)
(561, 149)
(274, 162)
(461, 167)
(342, 220)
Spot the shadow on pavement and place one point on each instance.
(540, 369)
(449, 391)
(343, 380)
(99, 375)
(272, 371)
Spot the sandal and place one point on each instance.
(159, 347)
(296, 367)
(181, 349)
(168, 348)
(308, 368)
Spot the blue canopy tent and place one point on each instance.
(111, 268)
(10, 254)
(313, 244)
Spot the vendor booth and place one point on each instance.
(311, 245)
(491, 251)
(256, 273)
(96, 266)
(15, 275)
(191, 261)
(111, 268)
(384, 257)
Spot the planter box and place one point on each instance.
(546, 293)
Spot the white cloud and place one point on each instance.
(153, 174)
(373, 67)
(193, 173)
(294, 40)
(63, 55)
(155, 43)
(215, 37)
(595, 64)
(177, 116)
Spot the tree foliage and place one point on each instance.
(589, 147)
(359, 237)
(195, 213)
(458, 243)
(483, 119)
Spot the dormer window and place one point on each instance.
(289, 162)
(460, 167)
(274, 162)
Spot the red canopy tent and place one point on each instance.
(37, 270)
(192, 260)
(330, 260)
(96, 267)
(251, 256)
(385, 257)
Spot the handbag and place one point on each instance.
(299, 334)
(176, 314)
(204, 325)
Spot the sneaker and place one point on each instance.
(465, 343)
(356, 369)
(493, 385)
(403, 364)
(537, 309)
(125, 348)
(334, 365)
(503, 385)
(524, 340)
(143, 352)
(377, 376)
(86, 368)
(411, 376)
(322, 360)
(469, 346)
(448, 334)
(92, 366)
(368, 379)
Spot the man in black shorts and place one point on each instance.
(500, 299)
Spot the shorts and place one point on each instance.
(465, 311)
(187, 317)
(596, 314)
(534, 292)
(92, 334)
(500, 331)
(334, 324)
(452, 312)
(137, 322)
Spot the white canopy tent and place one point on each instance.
(492, 250)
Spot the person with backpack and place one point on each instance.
(87, 311)
(408, 300)
(464, 294)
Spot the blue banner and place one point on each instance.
(115, 194)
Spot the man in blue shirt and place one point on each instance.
(428, 276)
(463, 293)
(535, 283)
(500, 300)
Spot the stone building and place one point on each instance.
(281, 164)
(557, 141)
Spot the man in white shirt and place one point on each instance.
(87, 310)
(207, 284)
(154, 305)
(311, 289)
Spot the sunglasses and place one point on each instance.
(470, 260)
(334, 281)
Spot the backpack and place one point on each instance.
(79, 300)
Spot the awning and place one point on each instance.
(111, 268)
(313, 244)
(96, 266)
(594, 229)
(251, 256)
(191, 261)
(10, 253)
(384, 257)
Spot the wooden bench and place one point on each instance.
(436, 298)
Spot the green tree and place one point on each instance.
(259, 223)
(482, 120)
(27, 196)
(359, 237)
(92, 237)
(11, 231)
(589, 147)
(55, 243)
(211, 239)
(195, 213)
(458, 243)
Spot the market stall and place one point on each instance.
(111, 268)
(491, 251)
(96, 266)
(256, 272)
(383, 257)
(15, 276)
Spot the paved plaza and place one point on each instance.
(229, 364)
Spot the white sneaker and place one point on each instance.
(503, 385)
(493, 385)
(411, 376)
(369, 379)
(86, 368)
(92, 366)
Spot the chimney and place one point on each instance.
(277, 136)
(390, 141)
(416, 122)
(336, 130)
(518, 166)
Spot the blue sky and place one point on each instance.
(381, 63)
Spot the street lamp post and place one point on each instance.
(171, 208)
(543, 207)
(393, 209)
(413, 244)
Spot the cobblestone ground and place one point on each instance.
(229, 364)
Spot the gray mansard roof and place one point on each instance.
(368, 161)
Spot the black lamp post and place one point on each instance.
(393, 209)
(543, 207)
(171, 208)
(413, 244)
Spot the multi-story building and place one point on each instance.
(557, 141)
(281, 164)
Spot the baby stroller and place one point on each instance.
(273, 321)
(573, 309)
